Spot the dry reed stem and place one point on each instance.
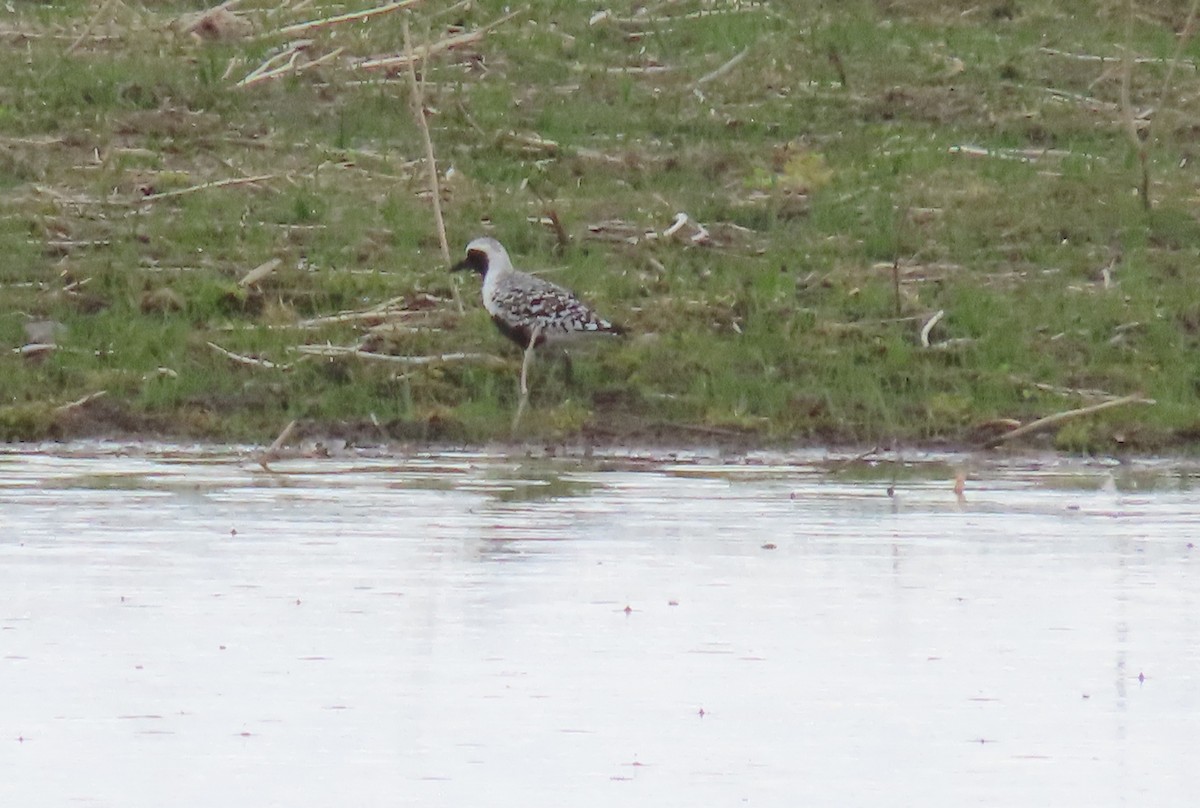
(417, 100)
(259, 75)
(1021, 155)
(260, 272)
(562, 238)
(929, 324)
(640, 22)
(1042, 424)
(248, 361)
(424, 53)
(87, 29)
(350, 16)
(79, 402)
(1086, 101)
(1093, 57)
(1127, 117)
(1184, 37)
(449, 43)
(380, 311)
(1083, 392)
(341, 351)
(204, 186)
(291, 53)
(348, 317)
(723, 69)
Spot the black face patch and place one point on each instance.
(476, 261)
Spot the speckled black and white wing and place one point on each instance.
(521, 303)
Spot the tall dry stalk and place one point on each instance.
(1136, 140)
(417, 97)
(1184, 37)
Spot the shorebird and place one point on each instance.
(528, 310)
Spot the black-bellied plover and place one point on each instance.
(527, 309)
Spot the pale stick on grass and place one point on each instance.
(272, 62)
(929, 324)
(248, 361)
(204, 186)
(79, 402)
(350, 16)
(1094, 57)
(449, 43)
(260, 272)
(723, 69)
(291, 68)
(1042, 424)
(339, 351)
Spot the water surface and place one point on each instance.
(180, 627)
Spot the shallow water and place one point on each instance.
(180, 627)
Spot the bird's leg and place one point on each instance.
(533, 338)
(525, 368)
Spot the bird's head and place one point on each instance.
(484, 254)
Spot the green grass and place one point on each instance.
(826, 154)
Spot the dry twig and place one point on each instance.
(271, 453)
(340, 351)
(204, 186)
(249, 361)
(395, 307)
(260, 272)
(929, 324)
(351, 16)
(449, 43)
(264, 73)
(1022, 155)
(1128, 118)
(562, 238)
(723, 69)
(87, 29)
(80, 402)
(1092, 57)
(1082, 392)
(682, 219)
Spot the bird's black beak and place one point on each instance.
(476, 260)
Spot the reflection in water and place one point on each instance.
(464, 628)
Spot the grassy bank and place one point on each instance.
(848, 171)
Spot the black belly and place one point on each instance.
(519, 334)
